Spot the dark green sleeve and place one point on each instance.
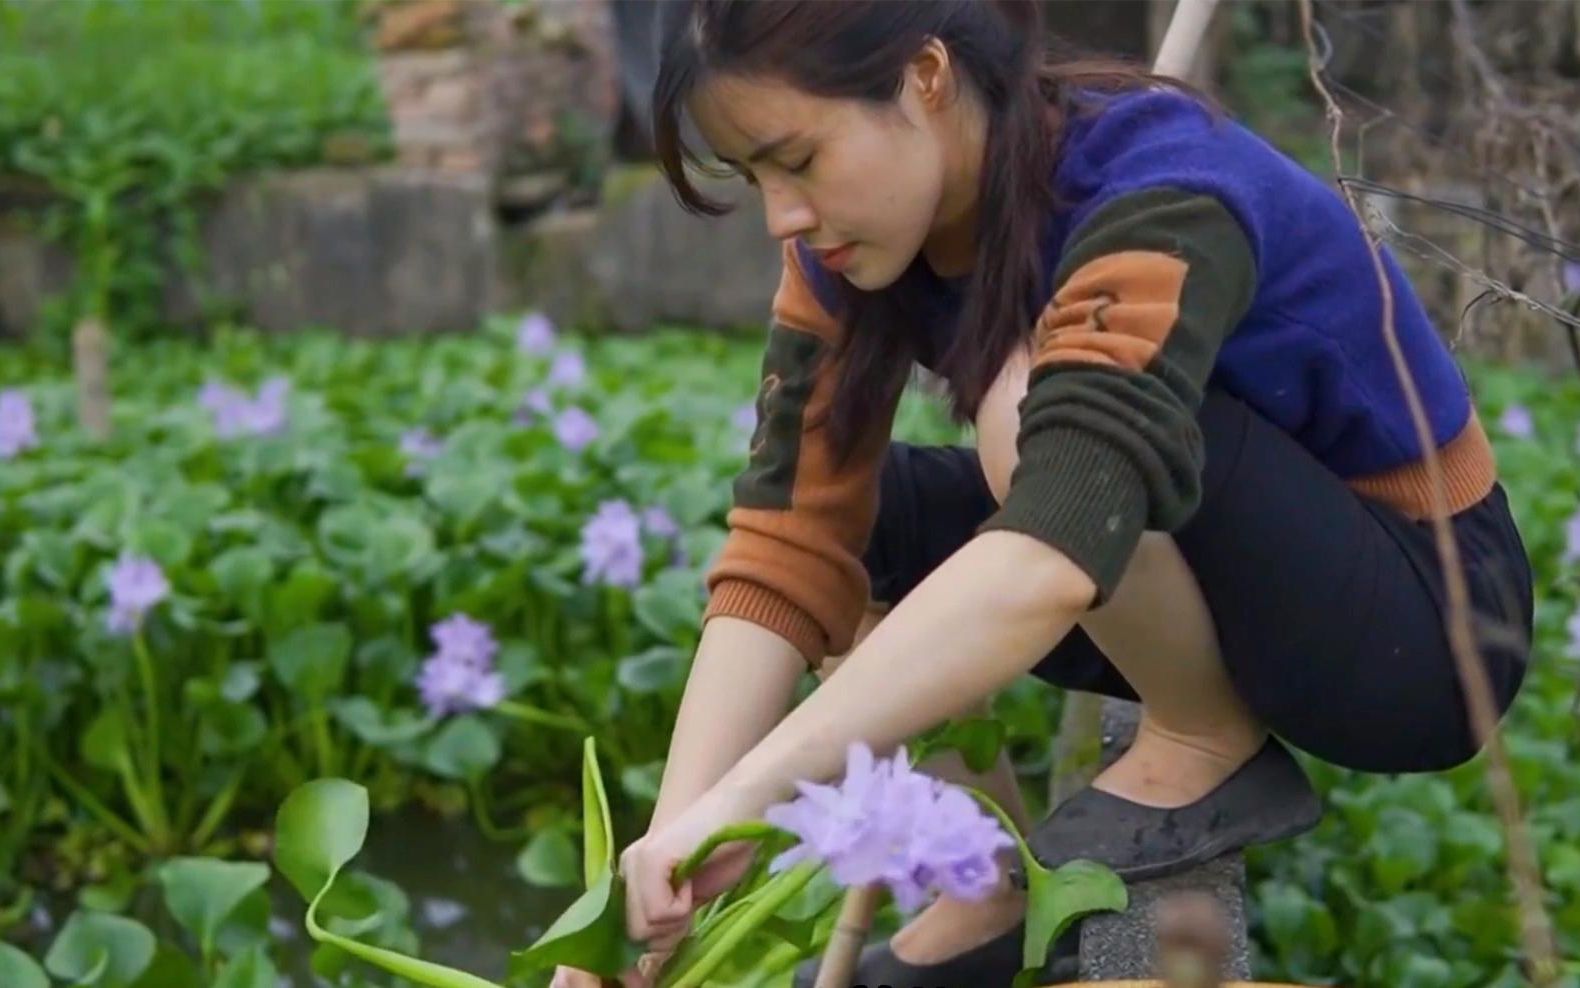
(1146, 292)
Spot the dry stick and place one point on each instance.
(849, 936)
(1535, 928)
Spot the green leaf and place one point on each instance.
(549, 859)
(170, 969)
(244, 574)
(105, 745)
(463, 495)
(100, 949)
(670, 606)
(18, 970)
(111, 895)
(1055, 899)
(201, 893)
(241, 682)
(464, 748)
(590, 936)
(376, 725)
(227, 729)
(168, 544)
(311, 660)
(251, 969)
(641, 782)
(301, 597)
(597, 830)
(978, 740)
(320, 826)
(247, 926)
(654, 670)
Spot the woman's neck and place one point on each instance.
(950, 247)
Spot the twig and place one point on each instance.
(1535, 927)
(850, 935)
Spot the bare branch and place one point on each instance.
(1535, 926)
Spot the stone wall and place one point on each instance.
(502, 91)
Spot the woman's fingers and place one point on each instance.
(654, 909)
(570, 977)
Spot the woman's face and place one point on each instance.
(860, 183)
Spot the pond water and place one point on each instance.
(469, 907)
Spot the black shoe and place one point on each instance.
(993, 964)
(1267, 799)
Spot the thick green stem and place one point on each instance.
(410, 968)
(1027, 859)
(319, 716)
(217, 810)
(751, 830)
(150, 684)
(532, 715)
(485, 820)
(91, 803)
(742, 927)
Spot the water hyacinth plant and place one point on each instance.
(885, 822)
(18, 430)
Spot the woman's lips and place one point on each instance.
(836, 258)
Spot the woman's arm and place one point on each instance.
(741, 683)
(982, 618)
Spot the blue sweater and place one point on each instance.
(1185, 253)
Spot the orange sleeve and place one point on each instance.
(800, 521)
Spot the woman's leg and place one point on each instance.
(1291, 604)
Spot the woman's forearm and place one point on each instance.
(980, 620)
(741, 683)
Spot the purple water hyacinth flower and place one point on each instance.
(886, 822)
(958, 845)
(568, 370)
(136, 584)
(1571, 285)
(235, 413)
(535, 404)
(611, 546)
(465, 638)
(535, 334)
(1574, 633)
(1517, 422)
(449, 684)
(745, 418)
(18, 428)
(575, 429)
(460, 675)
(659, 522)
(419, 446)
(1571, 554)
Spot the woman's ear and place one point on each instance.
(931, 75)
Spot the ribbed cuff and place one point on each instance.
(1080, 494)
(761, 606)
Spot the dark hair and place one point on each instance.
(858, 49)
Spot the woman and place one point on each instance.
(1197, 482)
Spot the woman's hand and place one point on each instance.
(657, 911)
(645, 975)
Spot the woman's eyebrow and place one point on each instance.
(764, 150)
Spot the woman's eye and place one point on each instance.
(802, 167)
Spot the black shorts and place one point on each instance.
(1329, 607)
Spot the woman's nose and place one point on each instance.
(787, 211)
